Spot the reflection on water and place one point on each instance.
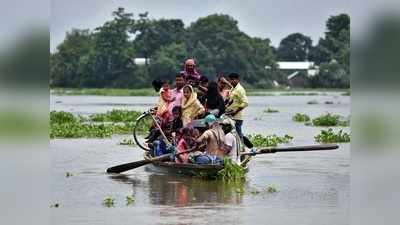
(313, 188)
(186, 191)
(183, 191)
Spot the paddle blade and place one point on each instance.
(132, 165)
(127, 166)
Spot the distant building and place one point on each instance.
(298, 72)
(140, 61)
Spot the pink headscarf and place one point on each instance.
(190, 72)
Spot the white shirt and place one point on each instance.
(231, 141)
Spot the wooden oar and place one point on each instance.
(161, 131)
(293, 149)
(132, 165)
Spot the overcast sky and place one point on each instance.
(266, 19)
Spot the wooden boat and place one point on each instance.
(187, 168)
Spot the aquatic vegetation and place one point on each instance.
(127, 142)
(299, 117)
(329, 136)
(109, 202)
(270, 110)
(67, 125)
(104, 91)
(116, 115)
(271, 189)
(68, 174)
(231, 171)
(312, 102)
(329, 119)
(129, 200)
(62, 117)
(259, 140)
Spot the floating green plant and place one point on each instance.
(127, 142)
(271, 189)
(231, 171)
(115, 115)
(67, 125)
(300, 117)
(68, 174)
(329, 119)
(270, 110)
(259, 140)
(109, 202)
(129, 200)
(329, 136)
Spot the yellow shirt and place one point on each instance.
(238, 99)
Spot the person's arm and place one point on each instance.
(243, 102)
(200, 109)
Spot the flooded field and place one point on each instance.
(312, 187)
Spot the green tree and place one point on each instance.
(110, 59)
(66, 62)
(167, 61)
(294, 47)
(153, 34)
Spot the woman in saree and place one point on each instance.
(191, 107)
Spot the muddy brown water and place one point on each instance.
(312, 187)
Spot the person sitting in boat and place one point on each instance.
(232, 139)
(190, 73)
(214, 101)
(202, 90)
(177, 92)
(213, 137)
(165, 99)
(185, 143)
(176, 119)
(191, 107)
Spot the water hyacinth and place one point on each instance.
(329, 119)
(329, 136)
(109, 202)
(259, 140)
(299, 117)
(270, 110)
(67, 125)
(231, 171)
(127, 142)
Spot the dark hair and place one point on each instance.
(214, 99)
(234, 76)
(177, 108)
(227, 128)
(157, 84)
(179, 75)
(203, 79)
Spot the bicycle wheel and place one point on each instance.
(142, 129)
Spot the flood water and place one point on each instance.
(312, 187)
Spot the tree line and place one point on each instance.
(103, 57)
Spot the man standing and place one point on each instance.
(177, 92)
(237, 101)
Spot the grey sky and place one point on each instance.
(266, 19)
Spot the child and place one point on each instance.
(165, 99)
(186, 143)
